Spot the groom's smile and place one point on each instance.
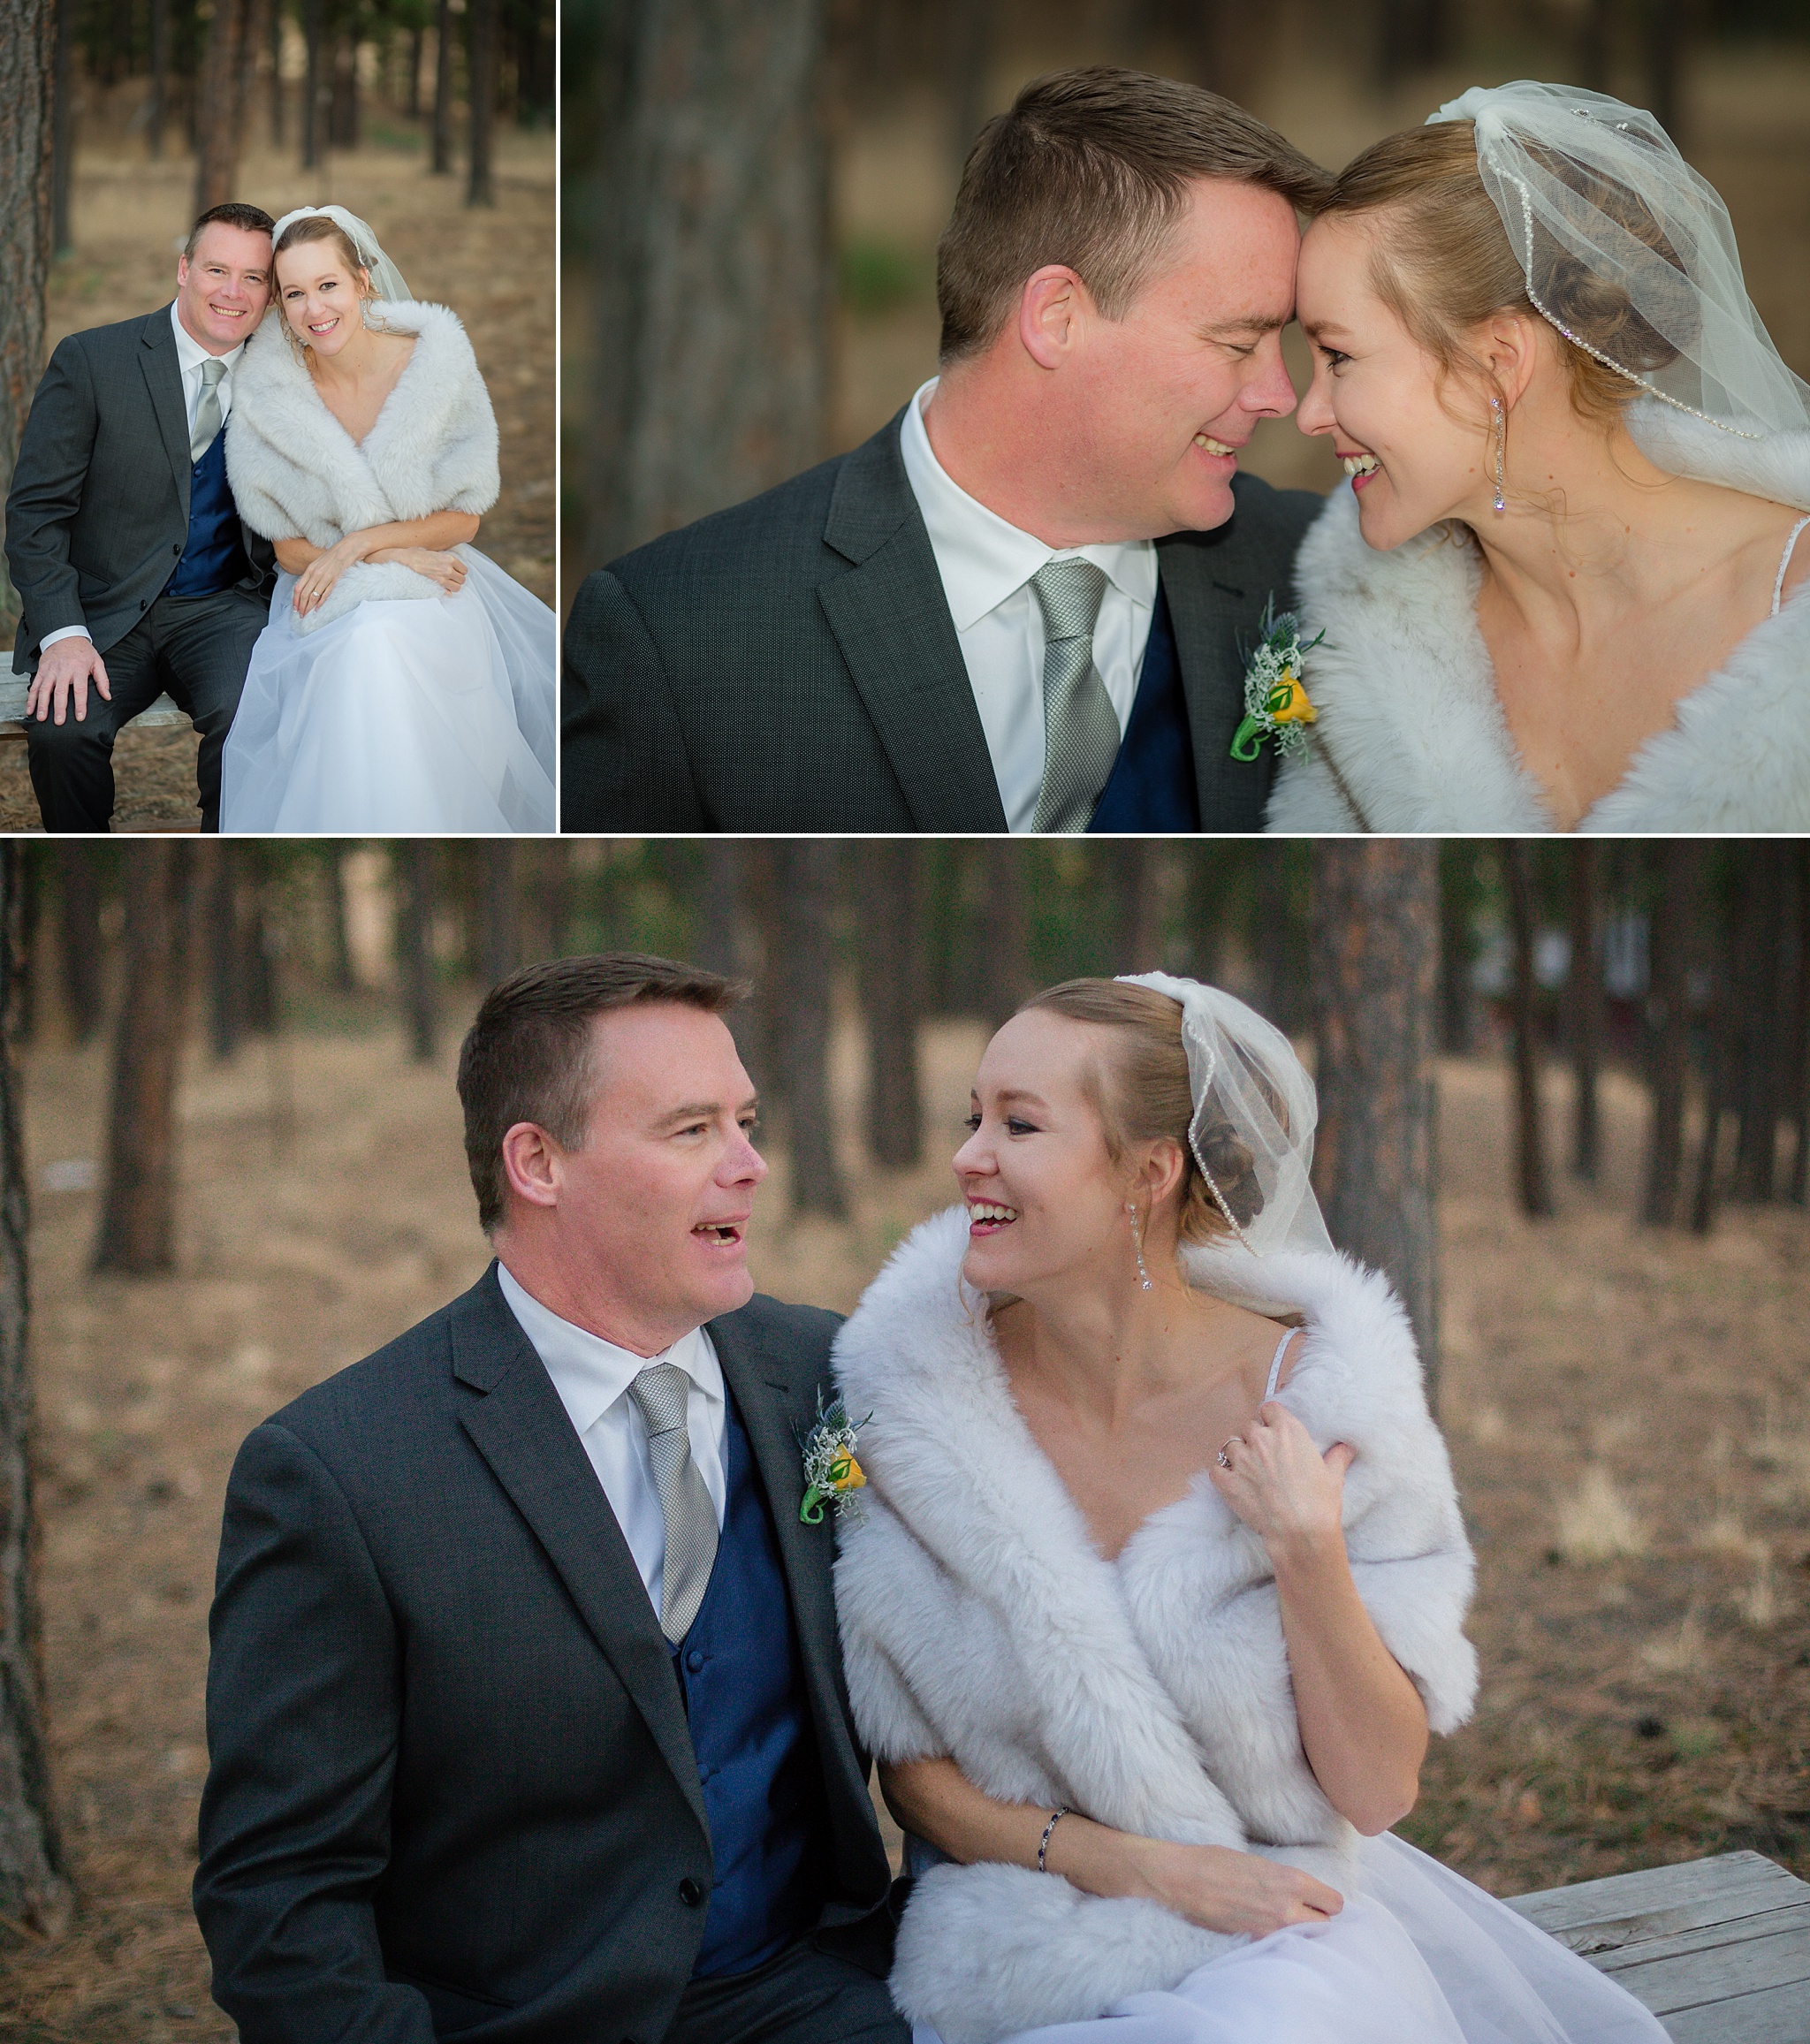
(223, 288)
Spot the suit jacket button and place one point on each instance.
(689, 1893)
(176, 547)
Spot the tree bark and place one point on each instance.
(1457, 947)
(715, 271)
(1375, 946)
(970, 42)
(1669, 1024)
(414, 919)
(316, 89)
(1798, 1182)
(442, 163)
(27, 63)
(138, 1221)
(892, 873)
(225, 953)
(1584, 1007)
(502, 911)
(1534, 1180)
(34, 1878)
(79, 936)
(344, 975)
(807, 875)
(1005, 929)
(1277, 940)
(159, 104)
(217, 107)
(1756, 1033)
(273, 25)
(481, 97)
(63, 130)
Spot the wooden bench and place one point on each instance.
(1718, 1948)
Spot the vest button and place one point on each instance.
(689, 1893)
(694, 1660)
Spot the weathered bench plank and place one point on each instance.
(1718, 1948)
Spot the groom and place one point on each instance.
(136, 576)
(525, 1711)
(1026, 603)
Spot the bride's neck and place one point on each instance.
(1107, 1345)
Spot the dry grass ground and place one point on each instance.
(1629, 1415)
(493, 266)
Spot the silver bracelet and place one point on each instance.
(1042, 1845)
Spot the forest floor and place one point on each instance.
(493, 266)
(1629, 1415)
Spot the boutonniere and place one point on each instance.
(1275, 704)
(832, 1475)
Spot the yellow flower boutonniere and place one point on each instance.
(1275, 702)
(832, 1475)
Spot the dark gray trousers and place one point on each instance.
(194, 648)
(803, 1996)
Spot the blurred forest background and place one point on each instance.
(754, 190)
(433, 119)
(230, 1164)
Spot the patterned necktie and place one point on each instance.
(661, 1391)
(1080, 726)
(207, 413)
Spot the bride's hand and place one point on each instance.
(1279, 1483)
(1224, 1890)
(315, 584)
(445, 568)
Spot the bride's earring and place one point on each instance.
(1501, 436)
(1137, 1243)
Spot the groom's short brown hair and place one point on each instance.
(1090, 169)
(528, 1056)
(234, 213)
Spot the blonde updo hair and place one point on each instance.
(1142, 1094)
(1447, 265)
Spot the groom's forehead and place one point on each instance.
(235, 247)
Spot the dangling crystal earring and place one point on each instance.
(1137, 1243)
(1501, 435)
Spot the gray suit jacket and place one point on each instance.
(451, 1789)
(791, 665)
(97, 515)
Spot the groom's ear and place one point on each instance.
(1050, 309)
(531, 1164)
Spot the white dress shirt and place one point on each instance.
(190, 354)
(592, 1377)
(986, 567)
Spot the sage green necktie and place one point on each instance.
(662, 1391)
(1080, 726)
(207, 413)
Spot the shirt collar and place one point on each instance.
(589, 1374)
(190, 352)
(983, 559)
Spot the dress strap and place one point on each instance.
(1778, 587)
(1289, 1334)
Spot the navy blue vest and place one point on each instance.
(213, 558)
(1150, 788)
(742, 1680)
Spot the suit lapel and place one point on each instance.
(1209, 606)
(522, 1431)
(893, 629)
(164, 381)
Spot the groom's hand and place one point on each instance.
(69, 665)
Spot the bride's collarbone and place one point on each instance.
(357, 402)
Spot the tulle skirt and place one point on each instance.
(1417, 1956)
(422, 716)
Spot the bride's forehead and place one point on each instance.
(1040, 1050)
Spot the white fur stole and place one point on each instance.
(297, 473)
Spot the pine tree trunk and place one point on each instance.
(226, 952)
(1756, 1089)
(316, 89)
(892, 873)
(417, 43)
(502, 911)
(442, 164)
(1534, 1180)
(158, 105)
(1277, 940)
(715, 270)
(79, 936)
(1584, 1007)
(415, 920)
(344, 975)
(273, 26)
(480, 96)
(34, 1879)
(27, 63)
(1669, 1024)
(216, 112)
(969, 39)
(1457, 947)
(63, 132)
(138, 1221)
(807, 870)
(1212, 880)
(1798, 1182)
(1375, 948)
(1005, 930)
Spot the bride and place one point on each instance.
(1561, 592)
(404, 683)
(1155, 1590)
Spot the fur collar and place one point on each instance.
(297, 473)
(1411, 730)
(978, 1620)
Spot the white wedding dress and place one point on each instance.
(392, 708)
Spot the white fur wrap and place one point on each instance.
(297, 473)
(978, 1620)
(1409, 716)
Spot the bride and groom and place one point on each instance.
(552, 1643)
(1558, 593)
(259, 500)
